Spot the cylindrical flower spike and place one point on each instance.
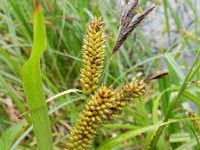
(91, 117)
(123, 96)
(93, 55)
(195, 123)
(102, 105)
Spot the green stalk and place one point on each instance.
(193, 70)
(32, 82)
(191, 73)
(111, 144)
(165, 4)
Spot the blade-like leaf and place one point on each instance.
(32, 82)
(8, 136)
(126, 136)
(189, 76)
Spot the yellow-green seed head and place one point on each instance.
(95, 111)
(102, 105)
(123, 96)
(195, 123)
(93, 55)
(197, 83)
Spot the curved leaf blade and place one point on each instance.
(32, 82)
(126, 136)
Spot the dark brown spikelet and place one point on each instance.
(93, 55)
(101, 106)
(129, 21)
(156, 76)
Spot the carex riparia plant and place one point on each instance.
(103, 102)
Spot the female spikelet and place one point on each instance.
(93, 55)
(103, 104)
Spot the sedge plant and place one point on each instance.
(104, 102)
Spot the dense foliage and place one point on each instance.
(168, 40)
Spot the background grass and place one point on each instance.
(167, 40)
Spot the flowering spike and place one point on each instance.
(103, 104)
(87, 127)
(195, 123)
(93, 55)
(131, 90)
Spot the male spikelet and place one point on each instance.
(102, 105)
(93, 55)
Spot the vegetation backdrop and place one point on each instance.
(168, 40)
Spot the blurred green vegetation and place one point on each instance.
(171, 45)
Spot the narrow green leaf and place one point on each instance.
(164, 83)
(192, 97)
(8, 136)
(11, 63)
(188, 145)
(193, 69)
(174, 69)
(179, 137)
(32, 82)
(165, 5)
(15, 98)
(126, 136)
(157, 101)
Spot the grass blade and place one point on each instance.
(123, 137)
(8, 136)
(194, 68)
(32, 82)
(165, 5)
